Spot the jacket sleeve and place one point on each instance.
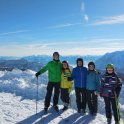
(102, 81)
(97, 83)
(70, 87)
(73, 74)
(118, 88)
(44, 69)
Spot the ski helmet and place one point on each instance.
(109, 66)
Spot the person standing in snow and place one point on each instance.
(66, 85)
(92, 86)
(110, 90)
(54, 79)
(79, 75)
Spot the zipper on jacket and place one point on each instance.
(81, 78)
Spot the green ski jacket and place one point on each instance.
(54, 71)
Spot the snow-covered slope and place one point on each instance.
(18, 105)
(13, 110)
(22, 83)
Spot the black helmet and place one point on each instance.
(91, 63)
(55, 53)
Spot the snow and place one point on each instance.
(22, 83)
(18, 102)
(14, 110)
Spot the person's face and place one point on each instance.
(56, 56)
(64, 65)
(79, 63)
(110, 70)
(91, 67)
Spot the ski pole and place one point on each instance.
(117, 107)
(36, 95)
(116, 101)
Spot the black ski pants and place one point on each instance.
(111, 102)
(92, 101)
(50, 87)
(65, 95)
(81, 98)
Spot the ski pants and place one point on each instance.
(65, 96)
(50, 87)
(92, 101)
(112, 102)
(81, 98)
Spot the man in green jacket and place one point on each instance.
(54, 78)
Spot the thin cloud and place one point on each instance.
(86, 18)
(96, 47)
(83, 13)
(83, 7)
(14, 32)
(65, 25)
(119, 19)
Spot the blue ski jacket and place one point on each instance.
(93, 81)
(79, 75)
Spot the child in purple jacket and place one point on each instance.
(110, 90)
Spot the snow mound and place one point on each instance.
(23, 83)
(15, 111)
(18, 93)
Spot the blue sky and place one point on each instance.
(72, 27)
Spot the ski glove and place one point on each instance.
(70, 79)
(118, 89)
(96, 93)
(100, 95)
(37, 74)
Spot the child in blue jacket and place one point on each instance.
(92, 86)
(79, 75)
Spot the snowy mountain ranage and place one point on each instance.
(18, 94)
(36, 62)
(115, 57)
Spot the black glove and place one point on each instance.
(101, 95)
(118, 89)
(69, 79)
(37, 74)
(114, 91)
